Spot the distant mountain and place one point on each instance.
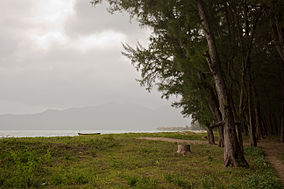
(114, 116)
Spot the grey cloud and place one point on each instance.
(88, 20)
(61, 75)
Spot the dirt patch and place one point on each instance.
(272, 150)
(174, 140)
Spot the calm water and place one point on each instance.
(51, 133)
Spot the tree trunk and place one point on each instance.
(282, 113)
(259, 131)
(252, 130)
(271, 124)
(213, 106)
(259, 128)
(252, 127)
(220, 136)
(233, 154)
(239, 136)
(282, 129)
(264, 125)
(210, 135)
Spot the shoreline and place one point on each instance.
(71, 133)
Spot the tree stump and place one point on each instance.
(183, 149)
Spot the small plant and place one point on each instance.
(132, 181)
(67, 156)
(94, 153)
(258, 156)
(47, 157)
(81, 179)
(253, 151)
(178, 180)
(264, 181)
(142, 182)
(207, 182)
(209, 158)
(57, 179)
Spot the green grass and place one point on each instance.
(122, 161)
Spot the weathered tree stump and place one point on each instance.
(183, 149)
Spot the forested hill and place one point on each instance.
(113, 116)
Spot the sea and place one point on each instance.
(54, 133)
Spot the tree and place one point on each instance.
(196, 50)
(165, 18)
(233, 154)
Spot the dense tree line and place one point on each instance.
(225, 58)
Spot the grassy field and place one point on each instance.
(122, 161)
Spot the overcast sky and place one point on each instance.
(65, 53)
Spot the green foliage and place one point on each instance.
(210, 182)
(258, 156)
(132, 181)
(266, 180)
(178, 180)
(141, 182)
(27, 169)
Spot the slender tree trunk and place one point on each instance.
(240, 136)
(282, 129)
(214, 108)
(252, 130)
(282, 113)
(221, 136)
(264, 124)
(252, 127)
(233, 154)
(237, 126)
(210, 135)
(259, 131)
(213, 105)
(273, 125)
